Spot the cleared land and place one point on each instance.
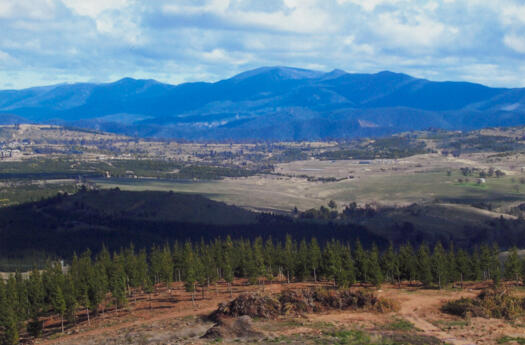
(170, 318)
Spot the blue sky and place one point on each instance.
(53, 41)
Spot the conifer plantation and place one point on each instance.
(94, 282)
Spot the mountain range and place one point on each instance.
(269, 103)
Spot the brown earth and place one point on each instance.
(173, 319)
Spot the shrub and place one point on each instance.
(497, 303)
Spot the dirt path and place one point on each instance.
(416, 306)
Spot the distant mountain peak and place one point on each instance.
(129, 80)
(336, 73)
(282, 72)
(394, 74)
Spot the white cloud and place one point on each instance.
(222, 56)
(419, 31)
(368, 5)
(120, 27)
(178, 40)
(115, 18)
(93, 8)
(515, 42)
(300, 16)
(512, 14)
(19, 9)
(4, 56)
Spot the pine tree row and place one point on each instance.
(93, 282)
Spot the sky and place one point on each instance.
(46, 42)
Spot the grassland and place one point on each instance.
(283, 192)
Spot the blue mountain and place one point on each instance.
(269, 103)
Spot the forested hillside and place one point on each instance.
(60, 225)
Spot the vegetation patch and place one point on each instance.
(494, 303)
(298, 302)
(506, 339)
(383, 148)
(359, 337)
(400, 324)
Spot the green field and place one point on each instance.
(263, 192)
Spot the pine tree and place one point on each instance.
(35, 293)
(167, 265)
(178, 260)
(331, 262)
(303, 269)
(200, 272)
(23, 299)
(258, 257)
(190, 274)
(347, 267)
(476, 272)
(452, 268)
(156, 264)
(12, 297)
(389, 263)
(84, 276)
(130, 268)
(269, 258)
(361, 262)
(117, 282)
(59, 304)
(8, 321)
(142, 268)
(376, 275)
(463, 265)
(495, 265)
(407, 263)
(289, 257)
(97, 285)
(485, 262)
(314, 256)
(227, 269)
(70, 298)
(439, 265)
(250, 267)
(211, 263)
(424, 265)
(513, 265)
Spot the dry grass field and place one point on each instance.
(276, 192)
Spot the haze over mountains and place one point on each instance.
(269, 103)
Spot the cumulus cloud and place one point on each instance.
(51, 41)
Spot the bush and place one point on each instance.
(496, 303)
